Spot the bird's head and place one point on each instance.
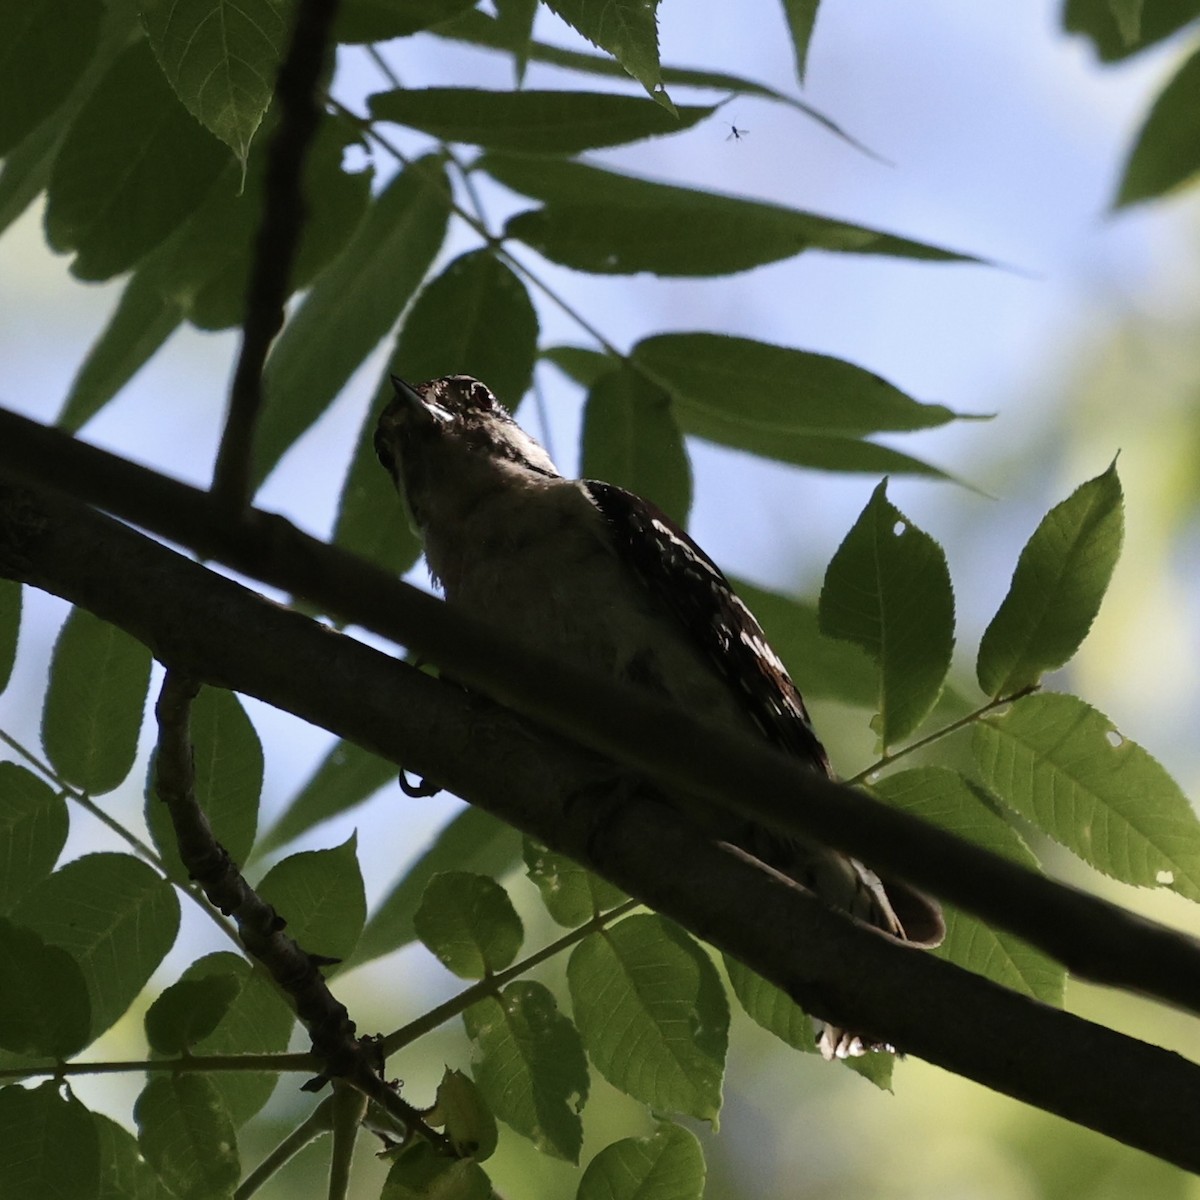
(439, 438)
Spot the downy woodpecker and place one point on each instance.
(605, 580)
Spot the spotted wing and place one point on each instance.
(688, 584)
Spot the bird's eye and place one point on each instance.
(481, 397)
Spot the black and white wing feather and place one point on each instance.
(691, 586)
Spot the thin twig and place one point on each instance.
(488, 986)
(283, 217)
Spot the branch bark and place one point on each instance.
(1094, 939)
(201, 623)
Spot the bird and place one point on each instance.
(605, 580)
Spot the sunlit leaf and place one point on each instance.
(187, 1136)
(1060, 580)
(530, 1066)
(421, 1172)
(771, 1007)
(627, 29)
(1166, 150)
(99, 677)
(571, 893)
(473, 841)
(33, 831)
(221, 58)
(888, 590)
(668, 1165)
(653, 1014)
(944, 798)
(320, 895)
(257, 1021)
(469, 923)
(115, 916)
(459, 1109)
(1064, 766)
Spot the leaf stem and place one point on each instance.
(489, 985)
(306, 1063)
(954, 726)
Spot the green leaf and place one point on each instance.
(200, 270)
(530, 1066)
(946, 799)
(653, 1014)
(532, 122)
(221, 59)
(187, 1136)
(668, 1165)
(801, 17)
(43, 48)
(820, 665)
(124, 1174)
(1166, 151)
(346, 776)
(33, 831)
(352, 306)
(422, 1173)
(771, 1007)
(459, 1109)
(258, 1021)
(475, 318)
(479, 29)
(474, 840)
(10, 627)
(44, 1008)
(627, 29)
(614, 224)
(469, 923)
(131, 168)
(369, 521)
(1108, 23)
(571, 894)
(320, 895)
(1063, 766)
(99, 677)
(49, 1148)
(115, 916)
(1060, 580)
(714, 379)
(189, 1010)
(514, 25)
(580, 364)
(630, 438)
(229, 774)
(887, 589)
(141, 323)
(27, 165)
(381, 20)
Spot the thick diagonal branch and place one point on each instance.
(216, 630)
(1093, 938)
